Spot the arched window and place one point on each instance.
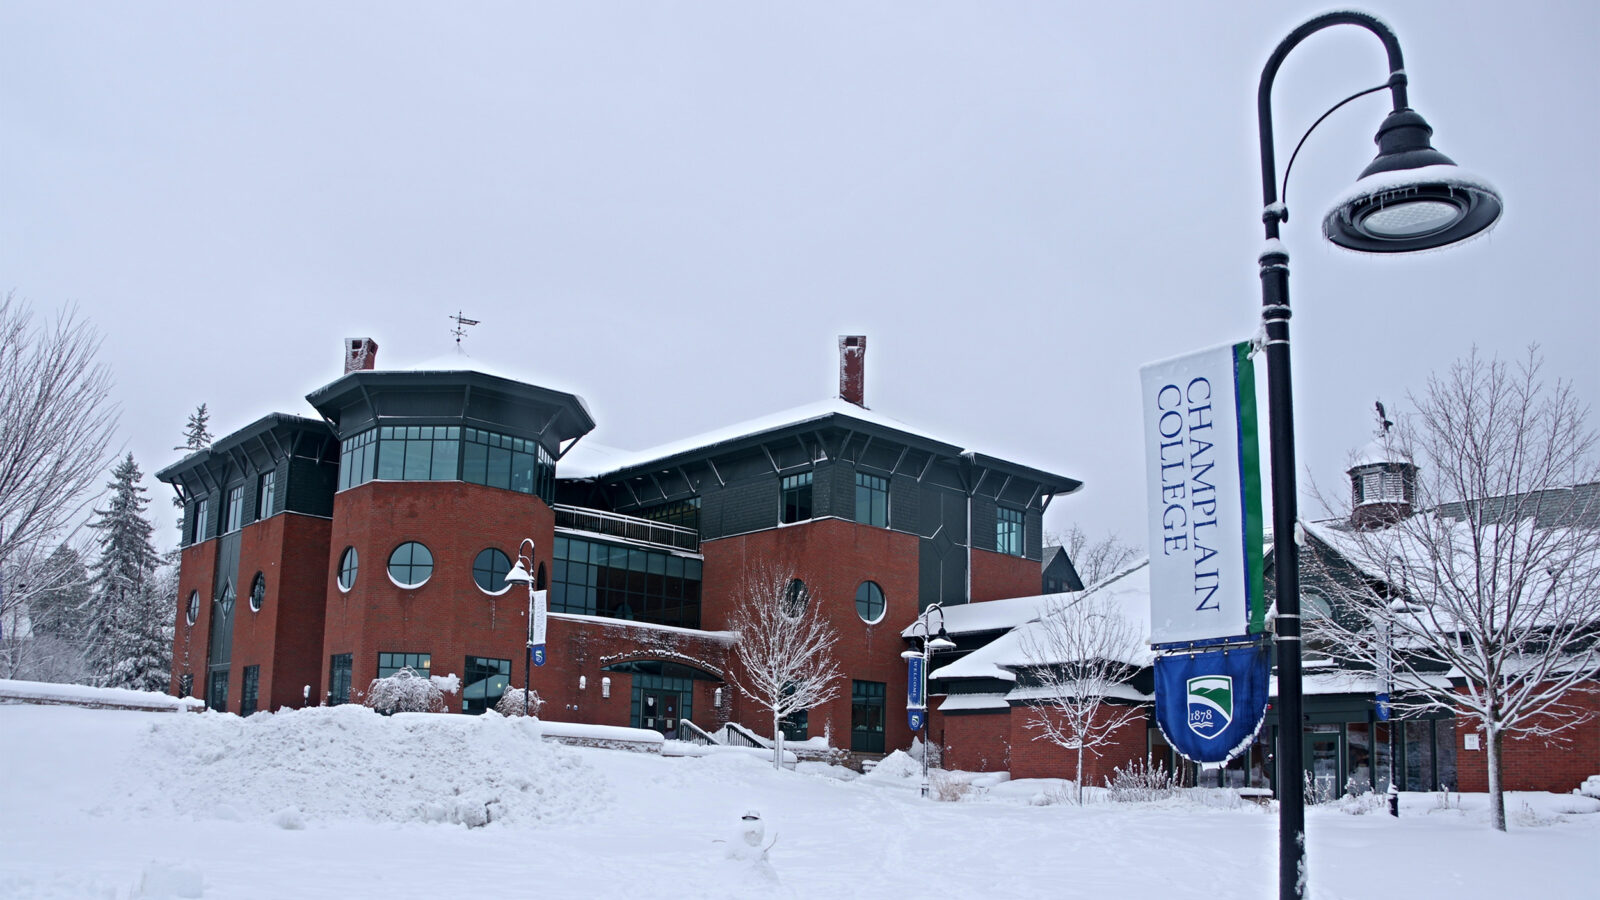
(410, 565)
(489, 571)
(258, 592)
(869, 602)
(349, 562)
(795, 599)
(193, 612)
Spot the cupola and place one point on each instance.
(1383, 481)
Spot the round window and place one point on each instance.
(795, 599)
(193, 612)
(348, 564)
(869, 602)
(489, 571)
(258, 592)
(410, 564)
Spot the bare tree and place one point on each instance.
(785, 648)
(1487, 601)
(1080, 657)
(1095, 559)
(56, 425)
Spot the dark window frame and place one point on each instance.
(1009, 531)
(266, 488)
(409, 566)
(872, 500)
(349, 569)
(340, 667)
(249, 690)
(795, 498)
(476, 666)
(868, 709)
(874, 594)
(233, 510)
(390, 662)
(258, 592)
(493, 572)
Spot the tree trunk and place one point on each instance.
(1080, 772)
(1497, 798)
(777, 743)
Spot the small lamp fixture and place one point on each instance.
(941, 641)
(518, 574)
(1411, 197)
(716, 697)
(583, 682)
(605, 687)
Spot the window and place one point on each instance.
(349, 562)
(249, 690)
(869, 602)
(258, 592)
(1008, 531)
(410, 564)
(265, 487)
(390, 663)
(872, 500)
(486, 679)
(866, 716)
(217, 691)
(595, 579)
(683, 513)
(233, 511)
(796, 497)
(193, 612)
(358, 455)
(503, 461)
(489, 571)
(796, 725)
(419, 452)
(202, 519)
(795, 599)
(339, 679)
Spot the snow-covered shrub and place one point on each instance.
(1365, 803)
(948, 788)
(511, 703)
(1528, 817)
(935, 752)
(1140, 781)
(404, 691)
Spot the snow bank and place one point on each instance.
(897, 765)
(322, 764)
(83, 695)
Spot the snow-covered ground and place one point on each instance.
(344, 803)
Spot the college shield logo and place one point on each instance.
(1210, 704)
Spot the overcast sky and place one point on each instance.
(673, 209)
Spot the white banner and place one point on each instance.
(1204, 479)
(540, 610)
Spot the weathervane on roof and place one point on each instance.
(460, 330)
(1383, 419)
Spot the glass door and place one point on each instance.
(659, 712)
(1321, 754)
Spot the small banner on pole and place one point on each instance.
(540, 608)
(1211, 704)
(1202, 468)
(916, 703)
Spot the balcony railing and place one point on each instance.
(631, 528)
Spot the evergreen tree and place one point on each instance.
(60, 605)
(128, 618)
(197, 434)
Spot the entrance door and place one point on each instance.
(659, 712)
(1321, 754)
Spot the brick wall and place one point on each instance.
(197, 567)
(1036, 757)
(974, 742)
(1534, 763)
(996, 576)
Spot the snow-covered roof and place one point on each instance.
(1128, 592)
(1376, 452)
(1046, 692)
(963, 702)
(589, 460)
(986, 615)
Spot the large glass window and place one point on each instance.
(418, 452)
(503, 461)
(339, 666)
(596, 579)
(390, 663)
(233, 512)
(358, 456)
(202, 520)
(249, 690)
(795, 598)
(486, 680)
(683, 513)
(869, 602)
(411, 564)
(1008, 531)
(349, 565)
(872, 500)
(796, 497)
(489, 571)
(866, 716)
(266, 487)
(217, 691)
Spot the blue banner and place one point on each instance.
(916, 717)
(1210, 704)
(538, 654)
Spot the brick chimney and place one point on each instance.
(853, 368)
(360, 354)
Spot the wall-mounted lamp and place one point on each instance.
(583, 682)
(605, 687)
(716, 697)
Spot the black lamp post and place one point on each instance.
(1411, 197)
(522, 572)
(930, 645)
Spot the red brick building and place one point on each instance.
(320, 553)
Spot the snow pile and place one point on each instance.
(83, 695)
(347, 762)
(897, 765)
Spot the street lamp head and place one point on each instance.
(519, 574)
(1411, 197)
(941, 642)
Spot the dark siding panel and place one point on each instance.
(1033, 534)
(309, 486)
(905, 503)
(747, 506)
(983, 523)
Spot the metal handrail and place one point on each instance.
(632, 528)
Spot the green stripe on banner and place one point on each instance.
(1250, 481)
